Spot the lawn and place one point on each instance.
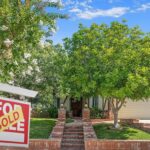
(40, 128)
(105, 131)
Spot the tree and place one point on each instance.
(23, 24)
(82, 67)
(111, 61)
(45, 74)
(123, 47)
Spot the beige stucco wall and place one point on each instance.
(137, 110)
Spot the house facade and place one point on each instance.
(131, 110)
(74, 106)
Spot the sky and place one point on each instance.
(136, 12)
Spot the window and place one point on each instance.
(95, 101)
(58, 102)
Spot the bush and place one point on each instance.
(40, 111)
(96, 113)
(53, 112)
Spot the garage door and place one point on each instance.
(136, 110)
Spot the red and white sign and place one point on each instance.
(14, 122)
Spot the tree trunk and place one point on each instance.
(27, 3)
(116, 125)
(116, 106)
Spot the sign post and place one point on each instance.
(14, 122)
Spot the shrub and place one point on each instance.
(53, 112)
(95, 112)
(98, 113)
(40, 111)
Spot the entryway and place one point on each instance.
(76, 107)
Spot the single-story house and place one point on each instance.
(131, 110)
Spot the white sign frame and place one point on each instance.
(17, 90)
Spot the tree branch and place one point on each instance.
(27, 3)
(113, 105)
(65, 99)
(121, 103)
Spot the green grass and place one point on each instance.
(40, 128)
(104, 131)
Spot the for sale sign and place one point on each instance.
(14, 122)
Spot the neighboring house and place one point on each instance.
(136, 110)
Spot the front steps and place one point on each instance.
(73, 138)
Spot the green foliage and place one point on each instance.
(109, 60)
(23, 24)
(53, 112)
(47, 77)
(95, 112)
(41, 111)
(27, 56)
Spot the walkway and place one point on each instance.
(73, 137)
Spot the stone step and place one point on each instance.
(73, 133)
(72, 148)
(73, 136)
(73, 130)
(72, 145)
(73, 141)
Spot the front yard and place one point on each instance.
(40, 128)
(105, 131)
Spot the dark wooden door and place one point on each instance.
(76, 107)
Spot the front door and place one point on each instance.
(76, 107)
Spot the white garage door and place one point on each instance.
(135, 110)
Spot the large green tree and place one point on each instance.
(123, 77)
(111, 61)
(23, 24)
(82, 67)
(45, 74)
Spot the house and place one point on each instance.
(131, 110)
